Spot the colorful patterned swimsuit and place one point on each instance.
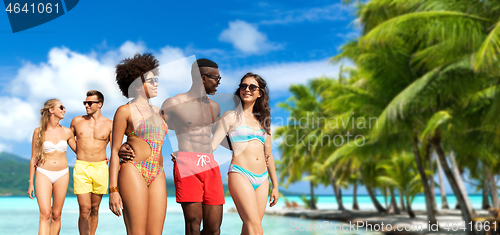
(153, 135)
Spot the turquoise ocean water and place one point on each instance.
(19, 216)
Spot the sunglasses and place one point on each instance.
(152, 80)
(62, 107)
(252, 87)
(218, 78)
(90, 103)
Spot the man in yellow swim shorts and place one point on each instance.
(91, 174)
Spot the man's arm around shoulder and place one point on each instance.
(74, 123)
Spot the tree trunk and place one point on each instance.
(455, 183)
(402, 201)
(461, 185)
(355, 205)
(431, 180)
(393, 208)
(486, 200)
(377, 205)
(340, 195)
(431, 216)
(385, 197)
(493, 188)
(408, 206)
(313, 204)
(336, 191)
(444, 204)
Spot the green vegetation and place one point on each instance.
(14, 174)
(307, 201)
(423, 95)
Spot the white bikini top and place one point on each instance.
(51, 147)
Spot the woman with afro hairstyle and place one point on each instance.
(248, 129)
(138, 187)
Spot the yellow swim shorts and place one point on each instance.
(91, 177)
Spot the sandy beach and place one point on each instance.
(448, 220)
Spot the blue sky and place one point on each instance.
(285, 42)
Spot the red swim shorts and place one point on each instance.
(197, 179)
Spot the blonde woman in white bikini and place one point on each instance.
(48, 159)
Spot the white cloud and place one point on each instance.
(68, 75)
(19, 119)
(349, 35)
(332, 12)
(129, 48)
(175, 76)
(280, 76)
(5, 148)
(275, 142)
(357, 23)
(247, 38)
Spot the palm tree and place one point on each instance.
(450, 25)
(297, 154)
(401, 170)
(334, 95)
(444, 201)
(433, 89)
(410, 69)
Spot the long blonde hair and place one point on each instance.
(44, 119)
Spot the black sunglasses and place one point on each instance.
(213, 77)
(152, 80)
(252, 87)
(90, 103)
(62, 107)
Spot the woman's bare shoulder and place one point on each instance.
(229, 113)
(123, 109)
(156, 109)
(67, 132)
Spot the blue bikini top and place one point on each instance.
(245, 133)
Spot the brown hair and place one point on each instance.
(261, 109)
(130, 69)
(100, 96)
(44, 119)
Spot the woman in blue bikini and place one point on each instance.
(248, 128)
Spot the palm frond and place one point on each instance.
(487, 57)
(438, 119)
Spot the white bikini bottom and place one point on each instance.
(53, 175)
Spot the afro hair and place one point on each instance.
(130, 69)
